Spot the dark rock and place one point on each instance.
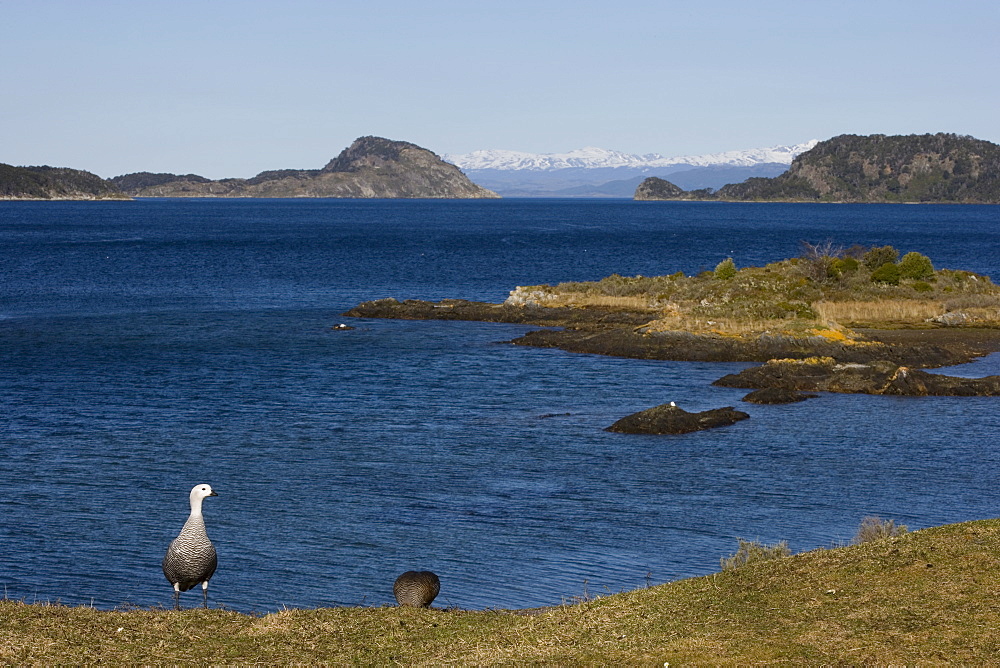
(824, 374)
(776, 395)
(463, 309)
(667, 419)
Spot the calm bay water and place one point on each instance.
(149, 346)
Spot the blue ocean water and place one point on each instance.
(152, 345)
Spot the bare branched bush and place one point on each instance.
(750, 551)
(817, 259)
(876, 528)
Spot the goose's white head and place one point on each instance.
(200, 492)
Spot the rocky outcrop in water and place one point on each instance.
(371, 167)
(882, 377)
(622, 334)
(671, 419)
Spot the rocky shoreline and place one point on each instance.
(880, 362)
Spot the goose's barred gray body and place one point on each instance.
(416, 589)
(191, 557)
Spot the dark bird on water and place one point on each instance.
(191, 557)
(416, 589)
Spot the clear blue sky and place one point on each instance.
(234, 87)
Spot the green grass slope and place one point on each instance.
(927, 597)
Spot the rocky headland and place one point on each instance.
(867, 169)
(861, 321)
(371, 167)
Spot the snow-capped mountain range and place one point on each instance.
(596, 158)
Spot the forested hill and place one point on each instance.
(371, 167)
(877, 168)
(54, 183)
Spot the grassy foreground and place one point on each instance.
(927, 597)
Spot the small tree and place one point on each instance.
(916, 266)
(877, 257)
(726, 269)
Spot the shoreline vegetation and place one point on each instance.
(899, 597)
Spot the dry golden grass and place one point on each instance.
(924, 598)
(586, 300)
(913, 311)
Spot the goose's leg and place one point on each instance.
(204, 591)
(177, 596)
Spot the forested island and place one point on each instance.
(54, 183)
(941, 168)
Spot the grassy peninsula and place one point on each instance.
(926, 597)
(825, 292)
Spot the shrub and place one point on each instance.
(844, 265)
(916, 266)
(877, 257)
(750, 551)
(799, 309)
(888, 273)
(726, 269)
(843, 268)
(921, 286)
(875, 528)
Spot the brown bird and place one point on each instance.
(416, 589)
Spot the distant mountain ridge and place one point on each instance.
(594, 158)
(596, 172)
(371, 167)
(938, 167)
